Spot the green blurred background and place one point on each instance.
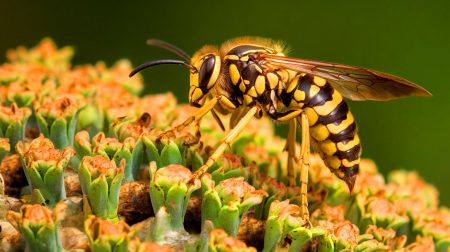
(407, 38)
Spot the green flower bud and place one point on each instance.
(38, 227)
(130, 151)
(100, 181)
(226, 203)
(382, 213)
(170, 187)
(284, 220)
(43, 166)
(131, 126)
(57, 120)
(105, 236)
(90, 118)
(13, 121)
(164, 154)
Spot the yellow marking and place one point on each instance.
(260, 84)
(340, 174)
(215, 73)
(292, 85)
(329, 106)
(234, 74)
(319, 81)
(248, 99)
(328, 147)
(252, 92)
(225, 101)
(273, 80)
(194, 79)
(289, 116)
(299, 95)
(231, 57)
(313, 90)
(333, 162)
(242, 87)
(258, 69)
(349, 164)
(246, 82)
(350, 144)
(295, 104)
(335, 129)
(244, 58)
(319, 132)
(312, 115)
(196, 94)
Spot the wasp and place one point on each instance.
(251, 77)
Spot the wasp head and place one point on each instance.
(204, 68)
(204, 74)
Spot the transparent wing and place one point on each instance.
(352, 82)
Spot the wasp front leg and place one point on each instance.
(226, 141)
(195, 117)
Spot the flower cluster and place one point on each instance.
(92, 173)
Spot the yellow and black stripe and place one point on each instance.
(332, 126)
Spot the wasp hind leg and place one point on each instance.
(226, 141)
(304, 166)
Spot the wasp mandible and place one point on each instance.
(251, 77)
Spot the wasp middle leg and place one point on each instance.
(292, 117)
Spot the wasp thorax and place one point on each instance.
(203, 77)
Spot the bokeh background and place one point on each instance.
(409, 38)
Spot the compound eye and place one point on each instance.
(206, 71)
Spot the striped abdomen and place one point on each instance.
(332, 126)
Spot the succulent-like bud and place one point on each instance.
(100, 181)
(382, 213)
(38, 227)
(129, 150)
(131, 126)
(275, 189)
(229, 166)
(434, 223)
(19, 92)
(44, 166)
(285, 220)
(105, 236)
(170, 187)
(13, 121)
(226, 203)
(220, 241)
(162, 154)
(57, 120)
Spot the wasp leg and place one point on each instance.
(196, 117)
(290, 147)
(292, 151)
(196, 137)
(225, 143)
(304, 166)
